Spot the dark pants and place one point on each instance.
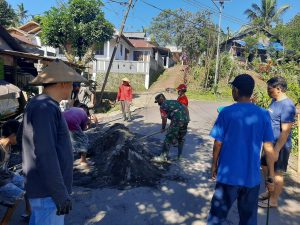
(175, 135)
(224, 197)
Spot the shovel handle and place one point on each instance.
(157, 132)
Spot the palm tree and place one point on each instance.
(22, 13)
(266, 15)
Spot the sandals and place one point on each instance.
(263, 196)
(264, 204)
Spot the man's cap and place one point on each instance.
(243, 82)
(57, 72)
(181, 87)
(159, 97)
(126, 79)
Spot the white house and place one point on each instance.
(133, 56)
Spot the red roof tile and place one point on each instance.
(141, 43)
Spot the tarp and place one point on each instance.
(276, 45)
(240, 42)
(8, 90)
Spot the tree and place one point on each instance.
(265, 15)
(289, 34)
(7, 14)
(250, 47)
(22, 14)
(183, 29)
(78, 28)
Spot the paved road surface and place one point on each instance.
(183, 202)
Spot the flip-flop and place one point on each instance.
(263, 196)
(264, 204)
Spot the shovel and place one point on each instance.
(142, 138)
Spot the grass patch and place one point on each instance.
(207, 96)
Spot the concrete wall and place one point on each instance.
(115, 79)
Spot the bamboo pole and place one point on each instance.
(298, 170)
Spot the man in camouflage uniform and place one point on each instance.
(177, 113)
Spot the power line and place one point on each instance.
(227, 16)
(176, 15)
(214, 3)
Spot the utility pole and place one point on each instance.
(218, 47)
(220, 9)
(115, 49)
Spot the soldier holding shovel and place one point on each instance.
(177, 113)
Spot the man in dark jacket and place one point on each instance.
(47, 149)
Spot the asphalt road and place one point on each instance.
(185, 201)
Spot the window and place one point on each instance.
(121, 49)
(100, 49)
(137, 56)
(126, 54)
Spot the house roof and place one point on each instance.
(30, 23)
(10, 40)
(141, 43)
(241, 35)
(24, 40)
(137, 35)
(35, 30)
(11, 30)
(35, 56)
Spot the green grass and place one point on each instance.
(207, 96)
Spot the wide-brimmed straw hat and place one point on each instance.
(126, 79)
(57, 72)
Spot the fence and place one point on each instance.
(121, 66)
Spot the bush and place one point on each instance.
(295, 140)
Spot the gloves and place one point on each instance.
(64, 208)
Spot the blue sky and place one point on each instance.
(142, 14)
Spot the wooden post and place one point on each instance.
(298, 170)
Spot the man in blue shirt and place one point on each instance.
(282, 111)
(239, 132)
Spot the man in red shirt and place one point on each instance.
(125, 98)
(181, 95)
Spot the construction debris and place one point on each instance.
(119, 158)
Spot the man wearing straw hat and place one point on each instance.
(47, 149)
(125, 98)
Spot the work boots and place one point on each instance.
(180, 147)
(164, 156)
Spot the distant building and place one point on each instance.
(28, 36)
(236, 45)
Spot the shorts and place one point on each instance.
(282, 162)
(12, 191)
(80, 141)
(176, 133)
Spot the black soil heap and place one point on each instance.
(119, 160)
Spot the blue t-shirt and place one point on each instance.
(242, 128)
(282, 112)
